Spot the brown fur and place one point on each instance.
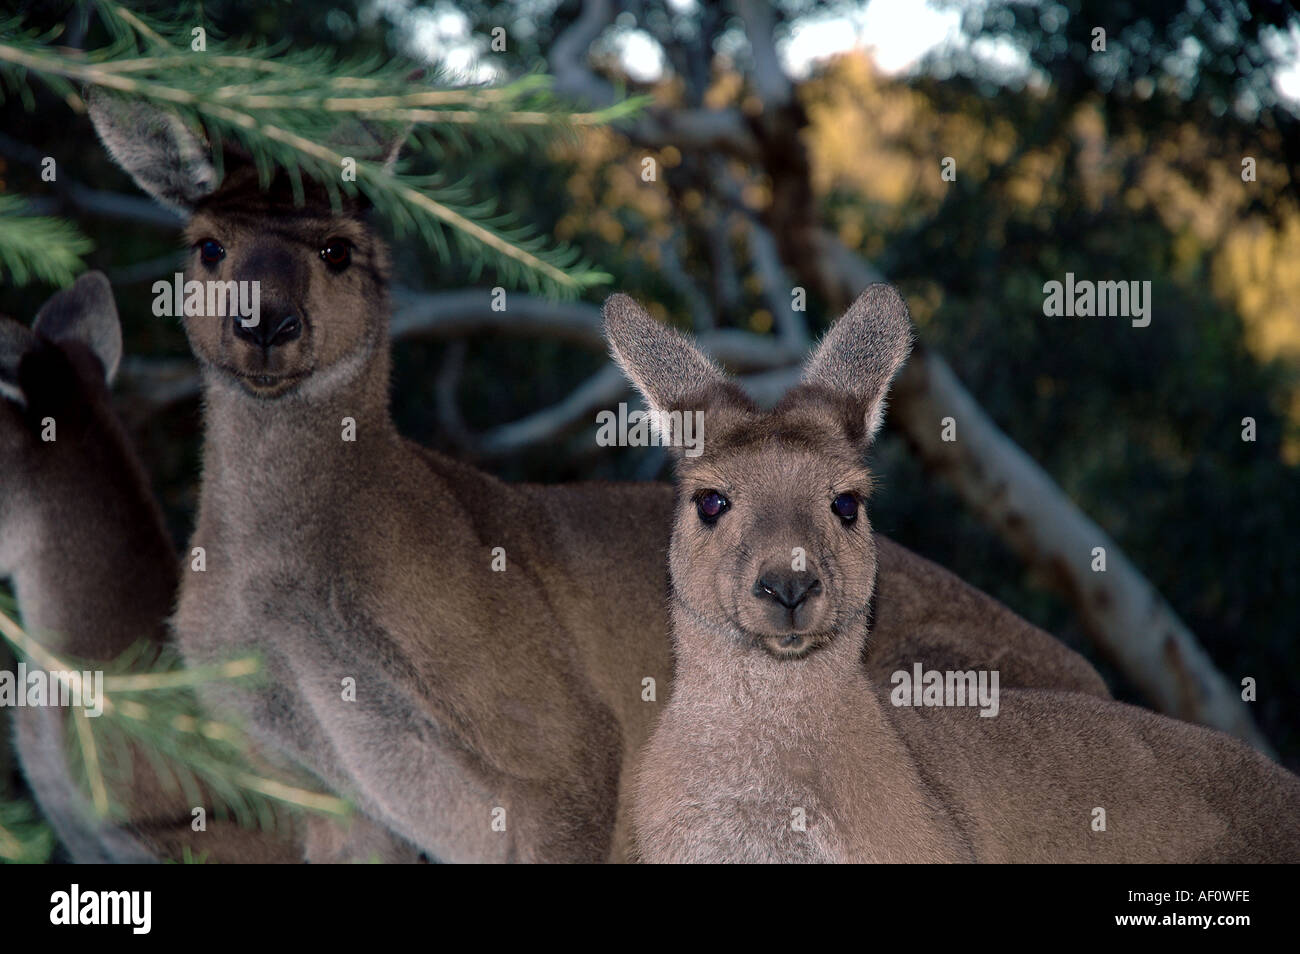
(371, 560)
(776, 745)
(91, 565)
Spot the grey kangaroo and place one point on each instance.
(775, 745)
(475, 663)
(91, 565)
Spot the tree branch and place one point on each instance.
(723, 130)
(154, 383)
(777, 286)
(599, 392)
(770, 81)
(94, 202)
(1000, 483)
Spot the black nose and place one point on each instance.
(271, 330)
(789, 588)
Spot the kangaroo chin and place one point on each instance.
(792, 645)
(268, 387)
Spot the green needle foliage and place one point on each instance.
(307, 111)
(151, 712)
(38, 247)
(24, 837)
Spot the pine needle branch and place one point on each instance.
(24, 837)
(38, 247)
(158, 713)
(305, 111)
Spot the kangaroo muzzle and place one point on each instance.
(790, 600)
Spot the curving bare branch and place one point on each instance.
(1000, 483)
(158, 382)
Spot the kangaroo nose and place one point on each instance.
(789, 589)
(270, 331)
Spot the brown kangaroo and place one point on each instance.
(474, 663)
(91, 565)
(775, 745)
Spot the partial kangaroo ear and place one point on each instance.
(162, 154)
(393, 145)
(863, 351)
(664, 364)
(16, 340)
(374, 141)
(86, 313)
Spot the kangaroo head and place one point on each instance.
(294, 296)
(771, 545)
(54, 381)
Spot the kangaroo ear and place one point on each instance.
(86, 313)
(663, 364)
(162, 154)
(15, 341)
(863, 351)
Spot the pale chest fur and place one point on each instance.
(795, 764)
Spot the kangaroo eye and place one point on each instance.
(211, 251)
(337, 254)
(845, 507)
(710, 505)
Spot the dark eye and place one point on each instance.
(710, 505)
(211, 251)
(337, 254)
(845, 507)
